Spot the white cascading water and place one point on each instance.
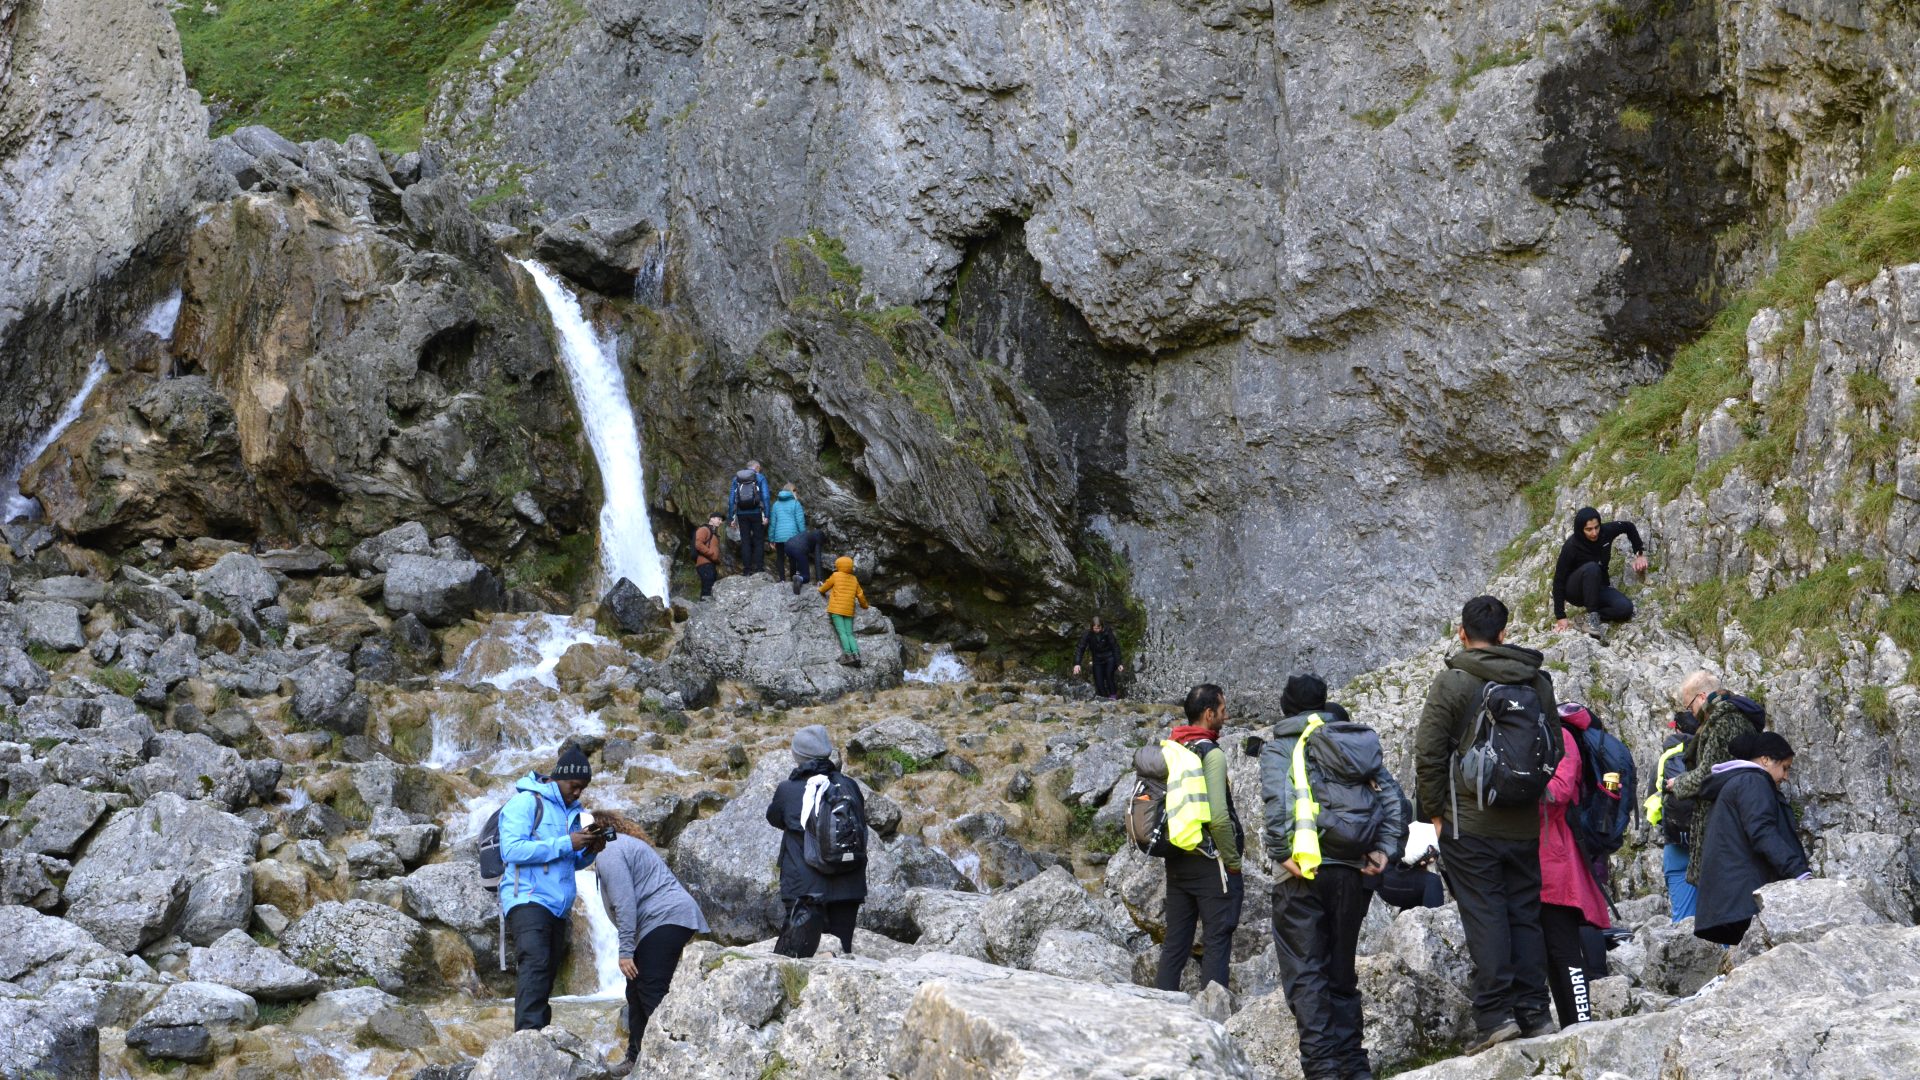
(942, 667)
(600, 391)
(650, 283)
(12, 503)
(161, 317)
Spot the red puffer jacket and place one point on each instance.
(1564, 877)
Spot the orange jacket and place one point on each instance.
(705, 550)
(842, 588)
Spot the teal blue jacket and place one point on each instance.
(789, 518)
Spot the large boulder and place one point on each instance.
(44, 1041)
(1014, 921)
(51, 624)
(440, 592)
(20, 676)
(324, 696)
(898, 735)
(376, 552)
(55, 820)
(757, 632)
(357, 939)
(39, 951)
(729, 861)
(168, 852)
(896, 866)
(191, 1020)
(31, 880)
(550, 1054)
(450, 893)
(262, 973)
(192, 767)
(238, 581)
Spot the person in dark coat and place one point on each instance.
(1107, 667)
(1580, 575)
(805, 551)
(814, 901)
(1750, 839)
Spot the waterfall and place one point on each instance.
(600, 392)
(942, 667)
(162, 316)
(12, 503)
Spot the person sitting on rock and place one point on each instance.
(816, 899)
(542, 843)
(655, 917)
(1724, 717)
(1748, 837)
(1357, 815)
(747, 507)
(1107, 667)
(1580, 575)
(1570, 898)
(804, 551)
(788, 520)
(843, 592)
(706, 554)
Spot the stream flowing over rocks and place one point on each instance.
(345, 486)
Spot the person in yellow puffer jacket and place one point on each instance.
(843, 591)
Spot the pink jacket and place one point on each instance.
(1564, 876)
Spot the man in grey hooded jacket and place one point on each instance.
(1317, 911)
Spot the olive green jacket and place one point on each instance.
(1452, 701)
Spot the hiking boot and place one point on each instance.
(1596, 626)
(622, 1069)
(847, 660)
(1487, 1040)
(1542, 1025)
(796, 584)
(857, 663)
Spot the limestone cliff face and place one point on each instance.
(103, 149)
(1309, 291)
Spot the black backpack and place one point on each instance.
(1340, 757)
(1599, 821)
(746, 494)
(492, 867)
(1510, 752)
(835, 834)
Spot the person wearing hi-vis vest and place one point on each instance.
(1338, 815)
(1204, 888)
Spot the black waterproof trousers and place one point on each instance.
(1567, 975)
(1497, 883)
(708, 574)
(656, 955)
(1587, 587)
(753, 543)
(539, 945)
(1316, 932)
(1196, 899)
(808, 920)
(1106, 677)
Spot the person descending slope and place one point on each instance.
(843, 592)
(1107, 667)
(1580, 575)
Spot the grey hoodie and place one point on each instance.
(641, 894)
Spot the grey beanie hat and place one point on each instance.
(812, 742)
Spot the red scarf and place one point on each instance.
(1192, 733)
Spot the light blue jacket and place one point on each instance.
(540, 861)
(789, 518)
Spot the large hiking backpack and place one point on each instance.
(1510, 752)
(1599, 820)
(746, 494)
(1351, 811)
(1147, 809)
(833, 825)
(492, 867)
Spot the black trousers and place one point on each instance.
(539, 945)
(1587, 587)
(753, 543)
(656, 955)
(1196, 900)
(1316, 933)
(807, 920)
(1567, 974)
(709, 573)
(1106, 678)
(1497, 883)
(793, 559)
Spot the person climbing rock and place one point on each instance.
(843, 592)
(1674, 815)
(818, 899)
(1570, 898)
(789, 519)
(542, 843)
(747, 504)
(655, 917)
(1747, 838)
(1724, 717)
(1105, 650)
(804, 551)
(1491, 850)
(706, 554)
(1355, 812)
(1204, 886)
(1580, 575)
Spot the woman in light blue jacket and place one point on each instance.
(788, 521)
(655, 917)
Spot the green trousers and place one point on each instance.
(843, 625)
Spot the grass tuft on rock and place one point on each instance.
(314, 69)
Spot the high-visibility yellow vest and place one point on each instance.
(1306, 812)
(1655, 804)
(1188, 812)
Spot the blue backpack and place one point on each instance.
(1600, 819)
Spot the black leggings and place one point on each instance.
(657, 955)
(1569, 975)
(1587, 587)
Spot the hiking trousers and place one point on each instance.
(1196, 900)
(808, 920)
(1587, 587)
(753, 543)
(656, 955)
(1316, 933)
(1567, 974)
(843, 626)
(540, 945)
(1106, 677)
(1497, 883)
(708, 574)
(1680, 891)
